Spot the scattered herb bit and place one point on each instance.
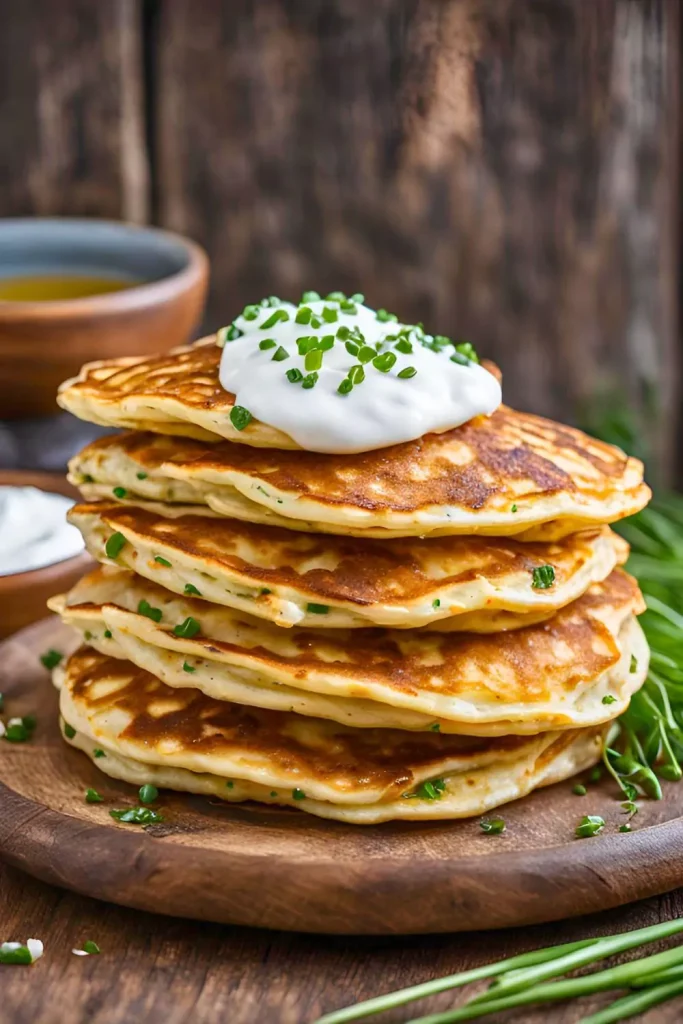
(492, 826)
(15, 953)
(162, 561)
(88, 479)
(326, 342)
(430, 790)
(358, 297)
(303, 315)
(625, 828)
(543, 577)
(298, 794)
(146, 609)
(51, 658)
(579, 789)
(384, 362)
(306, 343)
(69, 731)
(313, 359)
(112, 548)
(436, 603)
(436, 727)
(466, 349)
(240, 417)
(344, 333)
(590, 825)
(335, 297)
(267, 343)
(634, 664)
(383, 316)
(279, 314)
(514, 508)
(330, 315)
(407, 373)
(191, 589)
(609, 699)
(595, 774)
(188, 668)
(264, 591)
(93, 797)
(251, 312)
(309, 381)
(366, 354)
(188, 628)
(273, 792)
(230, 333)
(91, 948)
(107, 634)
(348, 307)
(356, 374)
(29, 722)
(310, 297)
(229, 785)
(98, 752)
(148, 793)
(88, 635)
(137, 816)
(16, 731)
(294, 376)
(345, 387)
(119, 492)
(403, 345)
(317, 609)
(280, 355)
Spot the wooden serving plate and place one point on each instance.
(281, 868)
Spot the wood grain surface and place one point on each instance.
(505, 170)
(279, 868)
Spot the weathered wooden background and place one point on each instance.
(505, 170)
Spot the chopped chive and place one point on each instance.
(230, 333)
(88, 479)
(273, 792)
(404, 346)
(514, 508)
(348, 307)
(188, 668)
(188, 628)
(141, 475)
(330, 315)
(107, 634)
(466, 349)
(384, 362)
(436, 603)
(267, 343)
(119, 492)
(91, 948)
(625, 828)
(279, 314)
(382, 316)
(346, 387)
(29, 722)
(634, 664)
(229, 785)
(146, 609)
(365, 354)
(335, 297)
(148, 793)
(251, 312)
(298, 794)
(93, 797)
(273, 301)
(112, 548)
(356, 374)
(69, 731)
(309, 381)
(316, 322)
(162, 561)
(240, 417)
(326, 342)
(352, 348)
(343, 333)
(358, 297)
(303, 315)
(280, 355)
(17, 732)
(543, 576)
(294, 376)
(407, 372)
(306, 344)
(317, 609)
(492, 826)
(191, 589)
(51, 658)
(264, 591)
(310, 297)
(590, 825)
(98, 752)
(436, 727)
(18, 954)
(313, 359)
(609, 699)
(431, 789)
(137, 816)
(579, 790)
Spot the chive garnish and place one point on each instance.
(352, 348)
(251, 312)
(306, 344)
(345, 387)
(298, 794)
(137, 816)
(17, 731)
(590, 825)
(93, 797)
(98, 752)
(436, 603)
(188, 628)
(335, 297)
(107, 634)
(112, 548)
(382, 316)
(230, 333)
(343, 332)
(314, 359)
(348, 307)
(240, 417)
(51, 658)
(309, 381)
(162, 561)
(634, 664)
(403, 345)
(141, 475)
(303, 315)
(279, 314)
(69, 731)
(436, 727)
(330, 315)
(294, 376)
(358, 297)
(356, 374)
(310, 297)
(431, 789)
(148, 793)
(513, 508)
(366, 354)
(188, 668)
(267, 343)
(280, 355)
(543, 577)
(317, 609)
(91, 948)
(326, 342)
(407, 372)
(492, 826)
(146, 609)
(384, 362)
(609, 699)
(191, 589)
(119, 492)
(579, 789)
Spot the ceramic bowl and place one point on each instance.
(23, 595)
(43, 343)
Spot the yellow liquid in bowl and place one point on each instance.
(51, 287)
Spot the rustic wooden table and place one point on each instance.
(156, 970)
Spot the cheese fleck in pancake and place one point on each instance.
(549, 676)
(185, 740)
(504, 475)
(474, 583)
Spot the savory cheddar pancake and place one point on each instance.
(509, 474)
(473, 583)
(144, 731)
(549, 676)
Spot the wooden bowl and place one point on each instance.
(23, 595)
(43, 343)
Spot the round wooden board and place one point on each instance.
(281, 868)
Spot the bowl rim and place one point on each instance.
(140, 296)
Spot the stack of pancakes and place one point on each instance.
(424, 631)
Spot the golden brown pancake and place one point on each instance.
(181, 738)
(475, 583)
(548, 676)
(510, 474)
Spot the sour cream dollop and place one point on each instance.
(339, 377)
(33, 530)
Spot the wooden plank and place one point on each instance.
(504, 170)
(71, 108)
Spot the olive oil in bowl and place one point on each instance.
(58, 287)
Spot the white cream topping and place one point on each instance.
(441, 387)
(33, 529)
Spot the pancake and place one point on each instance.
(474, 583)
(510, 474)
(185, 740)
(548, 676)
